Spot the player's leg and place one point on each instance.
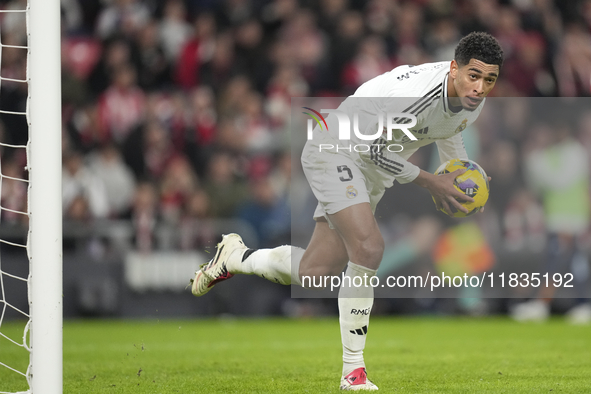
(361, 235)
(337, 183)
(343, 192)
(365, 246)
(325, 255)
(355, 239)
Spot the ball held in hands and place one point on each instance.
(473, 183)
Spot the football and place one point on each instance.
(473, 183)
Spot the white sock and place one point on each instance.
(280, 265)
(355, 305)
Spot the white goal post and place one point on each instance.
(44, 244)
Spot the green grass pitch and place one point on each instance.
(406, 355)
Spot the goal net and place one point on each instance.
(30, 202)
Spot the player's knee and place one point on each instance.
(319, 271)
(369, 252)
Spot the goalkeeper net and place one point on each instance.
(30, 198)
(14, 314)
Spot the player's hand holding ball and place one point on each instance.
(473, 182)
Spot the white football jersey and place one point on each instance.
(418, 90)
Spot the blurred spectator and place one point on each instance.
(541, 16)
(78, 210)
(222, 66)
(233, 95)
(453, 253)
(13, 58)
(173, 29)
(584, 127)
(309, 47)
(502, 165)
(204, 116)
(586, 11)
(177, 184)
(170, 110)
(13, 94)
(14, 24)
(250, 52)
(72, 18)
(116, 177)
(485, 14)
(523, 223)
(280, 176)
(348, 35)
(74, 87)
(198, 50)
(284, 84)
(154, 68)
(438, 9)
(198, 205)
(83, 193)
(269, 215)
(379, 15)
(559, 171)
(252, 122)
(408, 25)
(527, 70)
(83, 127)
(202, 128)
(331, 12)
(370, 61)
(230, 138)
(573, 62)
(275, 13)
(407, 35)
(234, 12)
(116, 52)
(148, 150)
(14, 193)
(124, 17)
(225, 189)
(506, 24)
(121, 106)
(442, 38)
(144, 216)
(196, 227)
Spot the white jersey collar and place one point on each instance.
(446, 108)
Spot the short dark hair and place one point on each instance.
(480, 46)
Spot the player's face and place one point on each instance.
(471, 83)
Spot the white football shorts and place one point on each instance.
(337, 181)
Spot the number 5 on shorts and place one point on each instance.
(346, 169)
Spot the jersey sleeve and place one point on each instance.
(452, 148)
(403, 170)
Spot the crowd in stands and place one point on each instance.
(179, 110)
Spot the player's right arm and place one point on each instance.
(442, 189)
